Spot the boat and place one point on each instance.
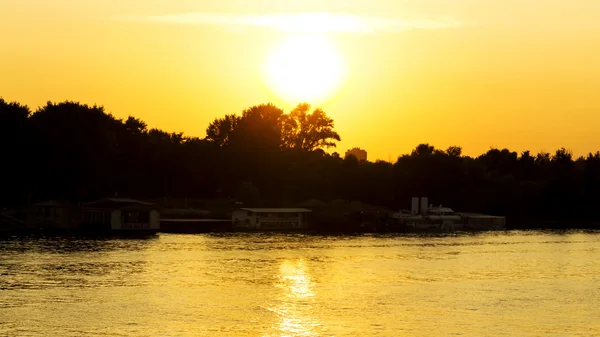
(425, 217)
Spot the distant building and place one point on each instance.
(358, 153)
(270, 218)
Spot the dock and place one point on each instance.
(194, 225)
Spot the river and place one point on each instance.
(485, 284)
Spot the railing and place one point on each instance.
(135, 225)
(279, 223)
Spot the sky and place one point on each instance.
(520, 74)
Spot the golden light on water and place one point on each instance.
(239, 285)
(295, 278)
(295, 312)
(305, 68)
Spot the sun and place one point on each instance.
(305, 68)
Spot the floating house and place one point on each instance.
(53, 214)
(113, 215)
(120, 215)
(270, 218)
(9, 223)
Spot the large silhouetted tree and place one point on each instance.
(308, 131)
(268, 126)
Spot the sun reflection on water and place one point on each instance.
(295, 310)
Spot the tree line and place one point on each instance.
(265, 156)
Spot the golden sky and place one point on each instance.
(522, 74)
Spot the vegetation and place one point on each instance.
(77, 152)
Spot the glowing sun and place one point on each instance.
(305, 68)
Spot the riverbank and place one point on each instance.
(224, 226)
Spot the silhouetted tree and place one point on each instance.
(308, 131)
(454, 151)
(15, 149)
(76, 146)
(248, 194)
(221, 129)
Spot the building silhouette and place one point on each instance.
(360, 154)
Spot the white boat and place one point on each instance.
(423, 216)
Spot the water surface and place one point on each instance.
(487, 284)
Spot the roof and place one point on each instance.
(128, 201)
(277, 210)
(194, 220)
(5, 218)
(117, 202)
(50, 203)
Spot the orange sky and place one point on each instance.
(521, 74)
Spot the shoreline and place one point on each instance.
(307, 232)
